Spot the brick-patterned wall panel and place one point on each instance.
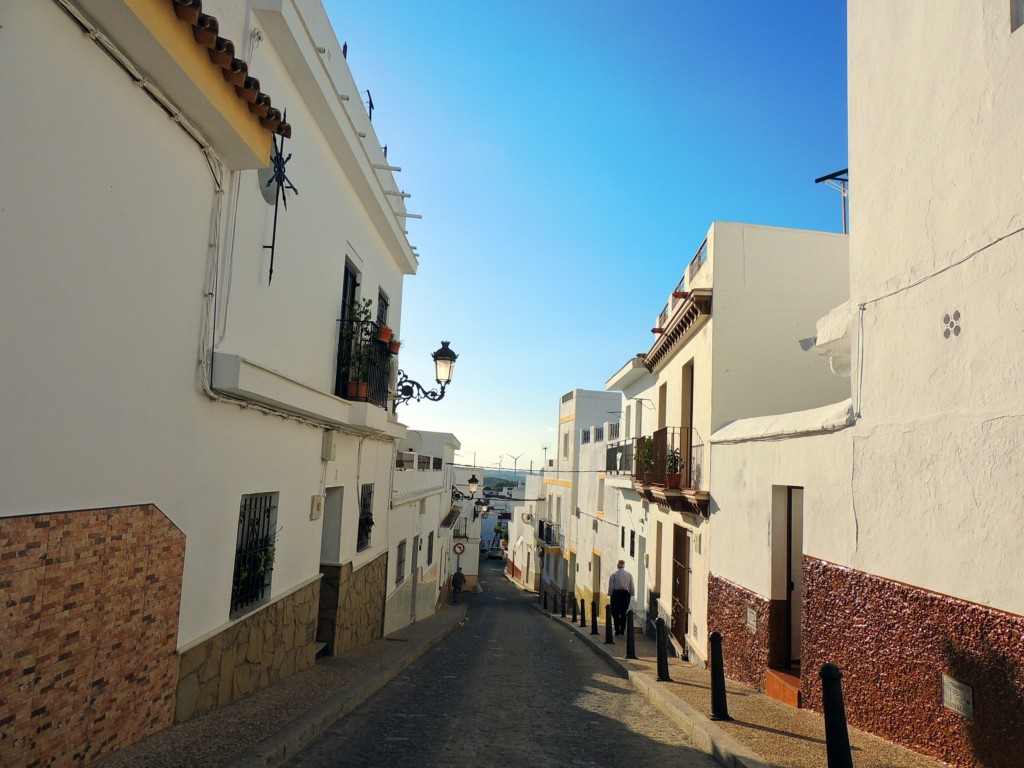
(88, 632)
(747, 653)
(352, 605)
(894, 642)
(266, 646)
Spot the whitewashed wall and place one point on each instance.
(935, 461)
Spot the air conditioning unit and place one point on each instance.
(527, 517)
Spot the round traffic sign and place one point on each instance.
(459, 548)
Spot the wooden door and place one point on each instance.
(680, 583)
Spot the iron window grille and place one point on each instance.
(430, 548)
(255, 546)
(613, 431)
(365, 517)
(400, 563)
(585, 437)
(632, 543)
(598, 434)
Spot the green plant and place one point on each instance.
(359, 332)
(644, 454)
(672, 461)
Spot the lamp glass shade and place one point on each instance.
(473, 483)
(444, 363)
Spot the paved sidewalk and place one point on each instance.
(270, 725)
(764, 733)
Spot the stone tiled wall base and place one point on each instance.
(352, 605)
(266, 646)
(893, 643)
(747, 653)
(88, 631)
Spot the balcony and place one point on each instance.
(364, 364)
(669, 467)
(619, 458)
(549, 534)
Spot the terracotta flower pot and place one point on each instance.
(394, 346)
(384, 334)
(357, 390)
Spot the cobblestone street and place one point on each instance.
(509, 688)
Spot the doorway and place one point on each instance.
(794, 567)
(415, 576)
(680, 583)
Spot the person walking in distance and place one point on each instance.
(620, 590)
(458, 580)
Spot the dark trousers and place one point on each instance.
(620, 606)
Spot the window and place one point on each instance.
(599, 434)
(382, 307)
(632, 543)
(585, 437)
(430, 548)
(622, 543)
(600, 494)
(400, 563)
(613, 431)
(629, 427)
(365, 517)
(255, 546)
(565, 445)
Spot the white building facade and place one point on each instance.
(171, 413)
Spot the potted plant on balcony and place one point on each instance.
(359, 333)
(673, 469)
(394, 345)
(644, 460)
(384, 334)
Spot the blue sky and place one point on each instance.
(568, 158)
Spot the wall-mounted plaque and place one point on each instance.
(958, 697)
(751, 618)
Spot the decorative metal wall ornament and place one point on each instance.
(281, 183)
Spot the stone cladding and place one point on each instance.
(747, 653)
(893, 643)
(352, 603)
(266, 646)
(88, 632)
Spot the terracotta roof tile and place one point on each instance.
(205, 30)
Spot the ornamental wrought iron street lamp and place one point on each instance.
(479, 505)
(444, 364)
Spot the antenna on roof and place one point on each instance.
(840, 180)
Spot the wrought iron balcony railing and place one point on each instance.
(549, 533)
(671, 458)
(619, 458)
(364, 363)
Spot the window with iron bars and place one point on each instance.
(585, 437)
(382, 307)
(365, 517)
(255, 545)
(613, 431)
(400, 563)
(598, 434)
(430, 548)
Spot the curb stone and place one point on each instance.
(705, 734)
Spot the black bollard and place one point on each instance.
(663, 676)
(563, 604)
(608, 626)
(652, 610)
(583, 614)
(593, 617)
(574, 609)
(630, 640)
(719, 707)
(545, 599)
(837, 737)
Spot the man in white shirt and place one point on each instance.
(620, 590)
